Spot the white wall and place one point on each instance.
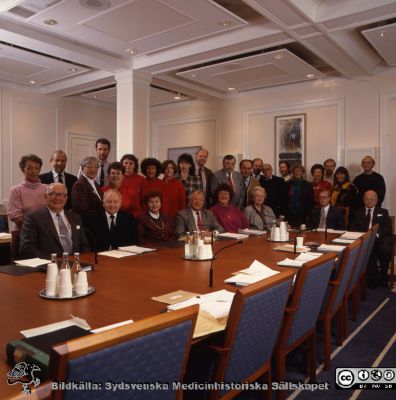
(39, 124)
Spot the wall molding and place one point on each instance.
(299, 108)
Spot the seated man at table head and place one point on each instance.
(364, 219)
(52, 229)
(326, 216)
(195, 217)
(111, 227)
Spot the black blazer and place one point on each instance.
(125, 231)
(277, 196)
(48, 178)
(334, 219)
(39, 237)
(380, 217)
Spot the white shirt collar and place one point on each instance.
(155, 216)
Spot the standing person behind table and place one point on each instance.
(232, 178)
(318, 183)
(284, 169)
(116, 173)
(27, 196)
(154, 226)
(133, 180)
(204, 173)
(329, 167)
(111, 226)
(174, 193)
(257, 168)
(370, 180)
(186, 174)
(249, 181)
(230, 217)
(52, 229)
(259, 216)
(381, 255)
(86, 193)
(151, 168)
(58, 161)
(301, 199)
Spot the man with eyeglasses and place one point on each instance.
(52, 229)
(326, 216)
(380, 258)
(86, 193)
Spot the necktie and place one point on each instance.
(101, 181)
(112, 232)
(199, 220)
(64, 235)
(368, 219)
(201, 176)
(322, 223)
(231, 183)
(60, 180)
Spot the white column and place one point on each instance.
(133, 108)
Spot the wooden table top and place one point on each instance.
(124, 288)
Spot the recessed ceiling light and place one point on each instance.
(177, 97)
(50, 21)
(231, 89)
(278, 56)
(32, 82)
(310, 75)
(72, 69)
(193, 75)
(382, 34)
(131, 51)
(225, 24)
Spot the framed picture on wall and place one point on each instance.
(290, 139)
(175, 152)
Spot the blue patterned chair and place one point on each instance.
(333, 301)
(243, 353)
(151, 350)
(301, 315)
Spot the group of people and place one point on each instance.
(110, 204)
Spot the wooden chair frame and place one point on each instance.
(63, 353)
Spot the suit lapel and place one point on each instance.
(48, 221)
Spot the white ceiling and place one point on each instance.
(192, 48)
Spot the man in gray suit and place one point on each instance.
(230, 177)
(195, 217)
(52, 229)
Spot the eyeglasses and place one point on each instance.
(55, 195)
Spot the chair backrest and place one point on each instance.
(252, 328)
(345, 213)
(306, 300)
(336, 293)
(15, 241)
(367, 243)
(151, 350)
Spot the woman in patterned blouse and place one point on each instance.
(154, 226)
(186, 174)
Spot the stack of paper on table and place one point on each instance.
(290, 248)
(5, 235)
(237, 236)
(345, 241)
(329, 230)
(300, 260)
(351, 235)
(175, 297)
(331, 247)
(116, 253)
(32, 262)
(255, 232)
(135, 249)
(256, 272)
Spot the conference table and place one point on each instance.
(124, 288)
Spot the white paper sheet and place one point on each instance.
(258, 268)
(345, 241)
(351, 235)
(245, 279)
(308, 256)
(237, 236)
(116, 254)
(331, 247)
(108, 327)
(5, 235)
(255, 232)
(135, 249)
(287, 262)
(32, 262)
(74, 321)
(329, 230)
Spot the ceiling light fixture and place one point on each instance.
(382, 34)
(131, 51)
(310, 75)
(193, 75)
(231, 89)
(177, 97)
(33, 82)
(50, 22)
(278, 56)
(72, 69)
(97, 5)
(6, 5)
(225, 24)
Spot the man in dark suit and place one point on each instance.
(201, 156)
(111, 227)
(364, 219)
(249, 181)
(276, 189)
(195, 217)
(52, 229)
(326, 216)
(58, 161)
(86, 193)
(230, 177)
